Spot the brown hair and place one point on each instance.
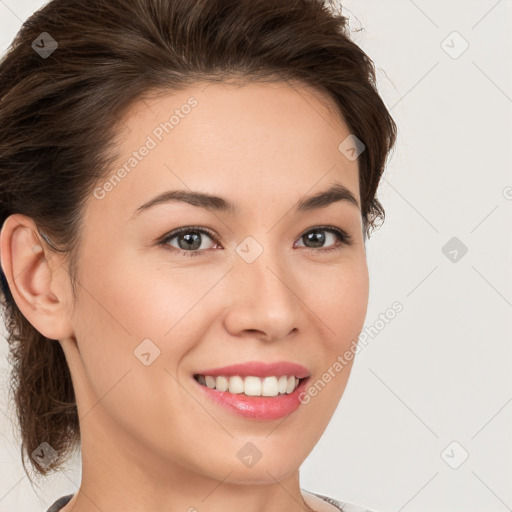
(59, 114)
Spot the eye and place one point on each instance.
(189, 240)
(316, 237)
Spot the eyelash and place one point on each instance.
(344, 239)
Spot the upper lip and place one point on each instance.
(259, 369)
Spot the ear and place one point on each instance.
(38, 280)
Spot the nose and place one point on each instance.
(264, 299)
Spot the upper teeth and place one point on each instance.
(250, 385)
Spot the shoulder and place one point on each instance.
(340, 505)
(60, 503)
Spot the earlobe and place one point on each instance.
(32, 277)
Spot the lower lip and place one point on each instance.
(257, 407)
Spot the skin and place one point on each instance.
(150, 440)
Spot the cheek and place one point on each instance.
(341, 308)
(348, 305)
(339, 296)
(121, 304)
(135, 300)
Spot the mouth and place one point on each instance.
(267, 398)
(257, 390)
(251, 385)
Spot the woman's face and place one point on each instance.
(257, 283)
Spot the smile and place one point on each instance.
(247, 398)
(251, 385)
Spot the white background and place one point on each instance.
(440, 371)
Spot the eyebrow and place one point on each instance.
(337, 192)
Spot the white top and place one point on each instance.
(344, 507)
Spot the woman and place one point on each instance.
(135, 135)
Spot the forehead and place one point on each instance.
(260, 141)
